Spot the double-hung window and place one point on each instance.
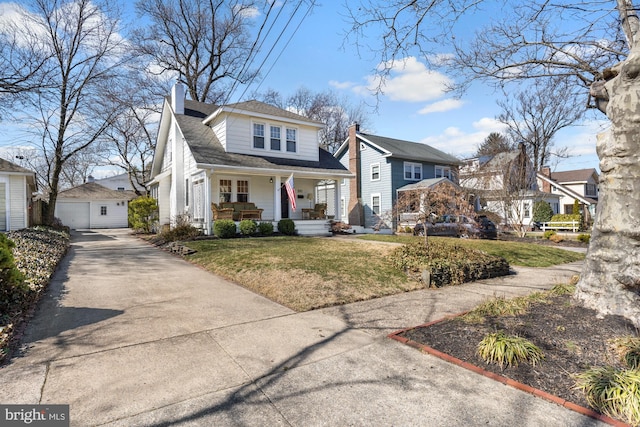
(443, 172)
(291, 140)
(225, 190)
(275, 138)
(258, 135)
(412, 171)
(375, 204)
(375, 172)
(243, 191)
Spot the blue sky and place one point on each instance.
(414, 106)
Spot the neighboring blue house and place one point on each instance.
(382, 165)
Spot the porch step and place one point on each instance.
(313, 227)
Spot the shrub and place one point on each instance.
(224, 228)
(248, 227)
(12, 286)
(508, 350)
(542, 211)
(339, 227)
(585, 238)
(143, 214)
(547, 234)
(556, 238)
(265, 228)
(448, 264)
(614, 392)
(180, 233)
(287, 227)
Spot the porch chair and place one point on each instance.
(319, 211)
(221, 213)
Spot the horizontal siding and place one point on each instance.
(369, 156)
(239, 139)
(116, 216)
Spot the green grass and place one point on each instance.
(516, 253)
(304, 273)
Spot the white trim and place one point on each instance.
(413, 171)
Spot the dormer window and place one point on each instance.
(292, 139)
(258, 135)
(275, 138)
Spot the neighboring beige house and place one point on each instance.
(17, 186)
(92, 205)
(506, 185)
(242, 153)
(580, 184)
(117, 182)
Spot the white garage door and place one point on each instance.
(73, 215)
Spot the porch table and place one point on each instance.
(251, 214)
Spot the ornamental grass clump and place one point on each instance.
(447, 263)
(612, 391)
(507, 350)
(628, 350)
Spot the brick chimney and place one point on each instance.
(355, 210)
(177, 98)
(546, 171)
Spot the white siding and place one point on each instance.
(3, 206)
(239, 138)
(116, 216)
(220, 130)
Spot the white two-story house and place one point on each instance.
(242, 152)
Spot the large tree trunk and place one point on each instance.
(610, 281)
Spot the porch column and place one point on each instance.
(207, 204)
(337, 197)
(277, 207)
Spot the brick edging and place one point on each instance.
(496, 377)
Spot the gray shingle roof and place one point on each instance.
(207, 149)
(411, 150)
(92, 190)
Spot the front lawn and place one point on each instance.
(516, 253)
(304, 273)
(309, 273)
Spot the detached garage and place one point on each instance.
(92, 205)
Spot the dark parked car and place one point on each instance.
(459, 226)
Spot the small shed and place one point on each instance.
(92, 205)
(17, 186)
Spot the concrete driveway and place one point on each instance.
(129, 335)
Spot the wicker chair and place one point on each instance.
(221, 213)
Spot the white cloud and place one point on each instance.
(341, 85)
(247, 11)
(442, 106)
(409, 80)
(461, 143)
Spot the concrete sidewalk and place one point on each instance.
(129, 335)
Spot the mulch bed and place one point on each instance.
(570, 336)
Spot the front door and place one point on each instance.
(284, 202)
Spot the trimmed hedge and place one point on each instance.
(224, 228)
(287, 227)
(447, 263)
(248, 227)
(265, 228)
